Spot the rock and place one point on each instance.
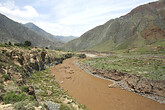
(69, 77)
(49, 92)
(132, 80)
(62, 82)
(159, 88)
(6, 107)
(52, 106)
(144, 86)
(112, 85)
(117, 76)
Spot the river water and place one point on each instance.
(95, 93)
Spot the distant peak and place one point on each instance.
(30, 23)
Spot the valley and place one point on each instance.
(118, 65)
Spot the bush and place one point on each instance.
(7, 54)
(6, 77)
(27, 43)
(10, 43)
(1, 86)
(23, 106)
(64, 107)
(1, 80)
(3, 51)
(12, 97)
(19, 44)
(20, 106)
(24, 88)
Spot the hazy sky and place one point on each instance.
(67, 17)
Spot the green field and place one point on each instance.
(148, 65)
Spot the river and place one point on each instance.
(95, 93)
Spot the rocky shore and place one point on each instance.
(152, 89)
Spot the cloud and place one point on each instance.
(23, 14)
(67, 17)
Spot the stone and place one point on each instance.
(52, 105)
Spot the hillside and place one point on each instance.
(144, 25)
(41, 32)
(16, 33)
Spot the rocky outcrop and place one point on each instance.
(30, 61)
(138, 84)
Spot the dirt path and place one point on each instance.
(95, 93)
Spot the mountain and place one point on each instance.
(65, 38)
(41, 32)
(144, 25)
(16, 33)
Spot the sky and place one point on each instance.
(67, 17)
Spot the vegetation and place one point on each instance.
(6, 77)
(64, 107)
(24, 88)
(12, 97)
(25, 44)
(149, 66)
(25, 105)
(1, 86)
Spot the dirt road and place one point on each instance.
(95, 93)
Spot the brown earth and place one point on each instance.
(95, 93)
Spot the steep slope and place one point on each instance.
(41, 32)
(65, 38)
(142, 26)
(16, 33)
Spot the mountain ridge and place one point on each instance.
(16, 33)
(135, 29)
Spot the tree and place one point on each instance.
(10, 43)
(27, 43)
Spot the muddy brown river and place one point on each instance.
(95, 93)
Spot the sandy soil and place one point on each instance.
(95, 93)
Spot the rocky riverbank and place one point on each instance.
(18, 64)
(152, 89)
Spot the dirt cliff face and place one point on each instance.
(27, 61)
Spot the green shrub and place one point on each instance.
(24, 88)
(7, 54)
(12, 97)
(6, 77)
(64, 107)
(1, 80)
(23, 106)
(3, 51)
(10, 43)
(20, 106)
(1, 86)
(27, 43)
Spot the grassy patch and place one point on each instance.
(148, 66)
(13, 97)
